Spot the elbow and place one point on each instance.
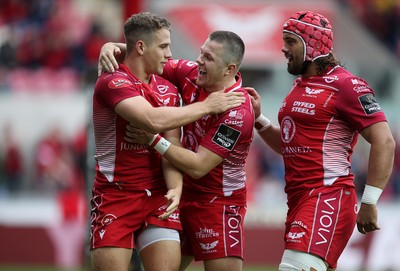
(196, 174)
(154, 127)
(391, 143)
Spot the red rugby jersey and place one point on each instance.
(320, 120)
(117, 160)
(228, 134)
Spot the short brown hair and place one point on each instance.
(142, 26)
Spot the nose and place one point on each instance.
(284, 49)
(198, 60)
(168, 53)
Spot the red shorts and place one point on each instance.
(212, 231)
(322, 223)
(117, 217)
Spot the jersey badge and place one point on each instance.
(288, 129)
(369, 104)
(329, 79)
(313, 91)
(236, 117)
(208, 246)
(226, 137)
(162, 88)
(119, 83)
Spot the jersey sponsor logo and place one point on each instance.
(191, 63)
(162, 88)
(313, 91)
(369, 104)
(357, 82)
(295, 235)
(330, 79)
(288, 129)
(226, 137)
(304, 108)
(233, 227)
(138, 148)
(209, 246)
(298, 223)
(236, 118)
(119, 83)
(174, 217)
(206, 233)
(325, 221)
(295, 149)
(108, 219)
(362, 88)
(101, 233)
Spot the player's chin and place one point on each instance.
(200, 82)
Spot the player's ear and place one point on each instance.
(140, 47)
(231, 68)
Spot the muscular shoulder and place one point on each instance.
(118, 79)
(347, 82)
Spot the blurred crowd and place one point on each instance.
(58, 163)
(381, 17)
(43, 42)
(48, 43)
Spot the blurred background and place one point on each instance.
(48, 66)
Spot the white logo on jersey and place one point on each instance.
(330, 79)
(174, 216)
(166, 101)
(209, 246)
(102, 232)
(206, 233)
(288, 129)
(162, 88)
(108, 219)
(313, 91)
(295, 235)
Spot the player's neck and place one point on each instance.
(138, 70)
(222, 86)
(311, 70)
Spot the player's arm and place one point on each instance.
(142, 114)
(173, 177)
(268, 132)
(195, 164)
(380, 166)
(111, 54)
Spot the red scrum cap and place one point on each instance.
(314, 30)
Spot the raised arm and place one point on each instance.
(111, 54)
(142, 114)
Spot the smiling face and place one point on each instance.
(157, 52)
(211, 65)
(293, 48)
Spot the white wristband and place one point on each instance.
(262, 123)
(160, 144)
(371, 194)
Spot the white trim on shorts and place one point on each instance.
(152, 234)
